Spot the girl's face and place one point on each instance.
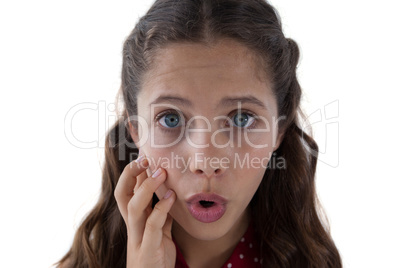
(209, 121)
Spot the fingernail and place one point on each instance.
(139, 159)
(168, 194)
(157, 173)
(142, 161)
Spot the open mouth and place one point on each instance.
(206, 208)
(206, 204)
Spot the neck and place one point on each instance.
(209, 253)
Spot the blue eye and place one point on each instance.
(170, 120)
(243, 120)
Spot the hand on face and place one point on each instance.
(149, 242)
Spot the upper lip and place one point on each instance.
(206, 197)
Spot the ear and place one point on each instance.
(133, 132)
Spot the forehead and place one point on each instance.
(206, 74)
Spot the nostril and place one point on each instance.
(217, 171)
(199, 171)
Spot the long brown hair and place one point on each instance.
(285, 206)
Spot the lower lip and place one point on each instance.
(206, 215)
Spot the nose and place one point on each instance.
(209, 167)
(207, 159)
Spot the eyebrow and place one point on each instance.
(227, 101)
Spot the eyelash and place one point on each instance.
(231, 114)
(162, 114)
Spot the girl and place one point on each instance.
(225, 176)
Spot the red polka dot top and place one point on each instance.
(245, 254)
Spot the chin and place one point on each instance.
(207, 233)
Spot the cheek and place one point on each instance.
(156, 157)
(167, 139)
(261, 141)
(162, 158)
(152, 157)
(249, 167)
(251, 160)
(252, 170)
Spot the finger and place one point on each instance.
(154, 232)
(140, 179)
(139, 207)
(149, 173)
(142, 176)
(167, 228)
(124, 188)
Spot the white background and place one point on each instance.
(57, 54)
